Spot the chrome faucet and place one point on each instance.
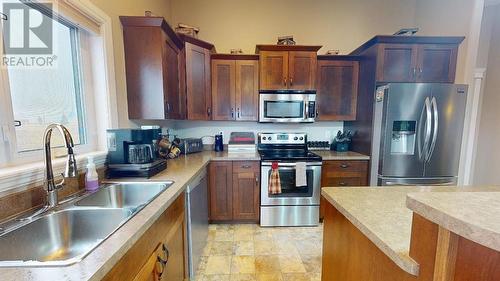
(69, 172)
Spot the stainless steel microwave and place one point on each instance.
(287, 106)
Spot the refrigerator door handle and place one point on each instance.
(436, 128)
(423, 150)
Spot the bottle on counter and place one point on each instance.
(91, 176)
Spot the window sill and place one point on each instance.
(22, 177)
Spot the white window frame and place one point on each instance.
(99, 94)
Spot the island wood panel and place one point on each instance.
(221, 190)
(247, 90)
(348, 255)
(165, 230)
(476, 262)
(223, 89)
(273, 70)
(198, 82)
(302, 70)
(337, 83)
(246, 191)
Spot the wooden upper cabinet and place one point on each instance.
(223, 89)
(302, 70)
(337, 90)
(273, 70)
(397, 63)
(437, 63)
(221, 190)
(287, 67)
(431, 63)
(235, 88)
(247, 90)
(198, 90)
(246, 190)
(152, 53)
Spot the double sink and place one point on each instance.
(65, 235)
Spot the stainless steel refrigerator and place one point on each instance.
(417, 133)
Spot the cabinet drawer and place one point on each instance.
(344, 181)
(346, 166)
(245, 166)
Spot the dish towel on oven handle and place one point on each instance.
(274, 180)
(300, 174)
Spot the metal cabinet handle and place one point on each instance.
(343, 166)
(209, 111)
(17, 123)
(163, 262)
(166, 251)
(291, 81)
(414, 72)
(342, 184)
(238, 113)
(232, 112)
(256, 180)
(246, 166)
(317, 113)
(284, 81)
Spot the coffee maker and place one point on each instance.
(134, 153)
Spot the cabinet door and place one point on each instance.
(174, 269)
(337, 93)
(396, 63)
(198, 82)
(152, 269)
(223, 89)
(143, 67)
(221, 190)
(273, 70)
(246, 191)
(247, 90)
(302, 70)
(175, 104)
(437, 63)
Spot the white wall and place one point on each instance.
(315, 131)
(487, 162)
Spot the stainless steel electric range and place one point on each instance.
(295, 205)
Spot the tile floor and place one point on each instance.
(247, 252)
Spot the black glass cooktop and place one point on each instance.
(288, 155)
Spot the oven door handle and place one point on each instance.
(291, 164)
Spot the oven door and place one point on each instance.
(291, 194)
(286, 107)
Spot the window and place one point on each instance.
(75, 91)
(44, 96)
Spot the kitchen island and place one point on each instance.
(411, 233)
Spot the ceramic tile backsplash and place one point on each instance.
(17, 203)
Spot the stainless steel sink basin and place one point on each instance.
(124, 195)
(67, 234)
(59, 238)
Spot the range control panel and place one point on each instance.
(282, 138)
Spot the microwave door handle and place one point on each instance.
(306, 110)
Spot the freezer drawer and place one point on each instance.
(447, 181)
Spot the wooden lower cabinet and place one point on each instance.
(164, 240)
(234, 189)
(342, 173)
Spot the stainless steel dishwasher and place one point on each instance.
(197, 220)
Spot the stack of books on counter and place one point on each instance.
(241, 142)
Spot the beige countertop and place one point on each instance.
(475, 216)
(334, 155)
(381, 214)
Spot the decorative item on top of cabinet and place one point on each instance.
(160, 252)
(234, 191)
(197, 82)
(235, 93)
(337, 84)
(287, 67)
(342, 173)
(153, 62)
